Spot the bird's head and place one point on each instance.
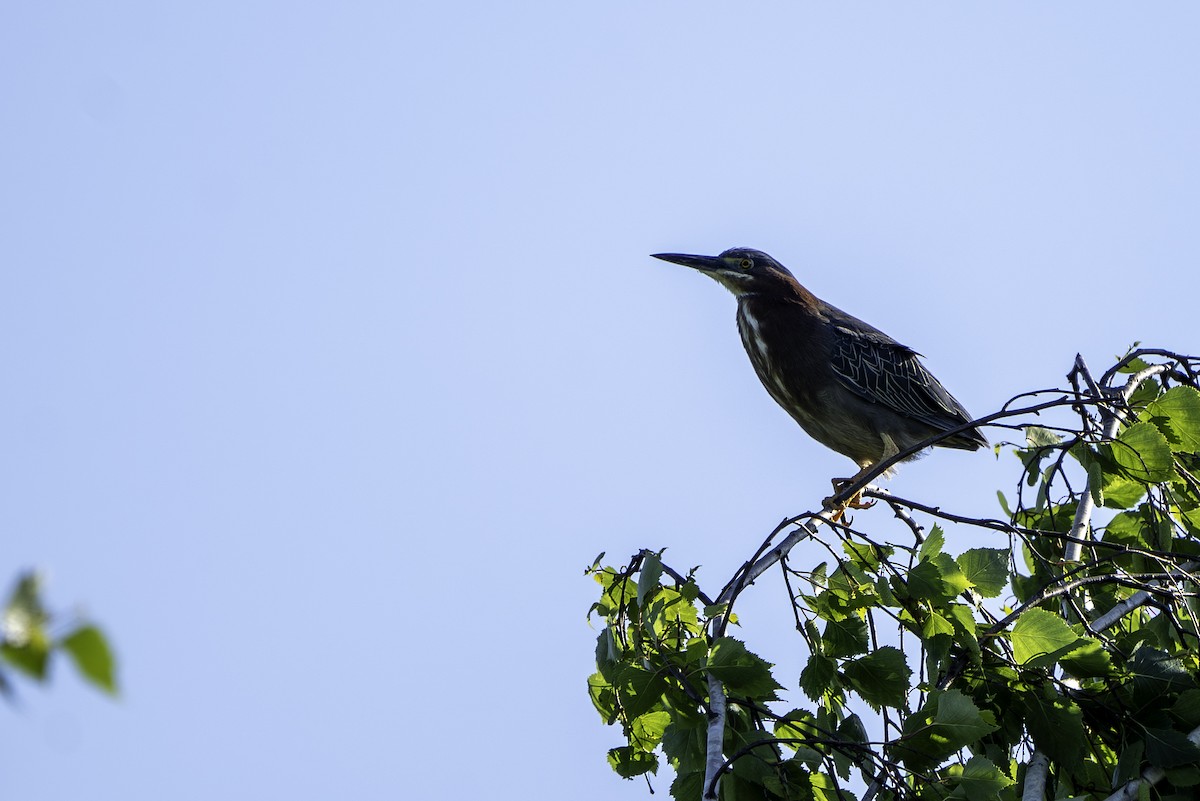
(743, 271)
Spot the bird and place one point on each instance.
(850, 386)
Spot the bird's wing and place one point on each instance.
(880, 369)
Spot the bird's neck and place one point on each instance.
(781, 293)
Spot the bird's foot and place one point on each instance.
(853, 502)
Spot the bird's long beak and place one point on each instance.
(706, 264)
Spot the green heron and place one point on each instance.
(850, 386)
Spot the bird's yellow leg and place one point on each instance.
(856, 501)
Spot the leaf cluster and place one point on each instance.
(30, 638)
(935, 676)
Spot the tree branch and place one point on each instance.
(714, 749)
(1034, 788)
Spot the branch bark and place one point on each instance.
(714, 749)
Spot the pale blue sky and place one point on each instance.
(333, 354)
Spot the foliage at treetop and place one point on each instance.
(30, 636)
(1064, 665)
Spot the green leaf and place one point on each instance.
(1157, 673)
(638, 690)
(932, 546)
(1056, 725)
(924, 582)
(1187, 708)
(954, 581)
(683, 742)
(24, 642)
(742, 672)
(946, 723)
(688, 786)
(94, 659)
(1004, 504)
(798, 724)
(936, 624)
(629, 762)
(1143, 453)
(31, 657)
(818, 677)
(24, 612)
(986, 569)
(607, 652)
(603, 697)
(1121, 492)
(1038, 437)
(1168, 748)
(669, 614)
(881, 677)
(1177, 414)
(846, 637)
(1129, 764)
(648, 729)
(1039, 444)
(979, 780)
(1039, 638)
(648, 577)
(1188, 776)
(1088, 660)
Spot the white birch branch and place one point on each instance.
(1034, 788)
(1081, 528)
(715, 756)
(1150, 776)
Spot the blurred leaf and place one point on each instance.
(24, 614)
(94, 659)
(881, 677)
(31, 657)
(986, 569)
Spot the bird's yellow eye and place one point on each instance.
(746, 264)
